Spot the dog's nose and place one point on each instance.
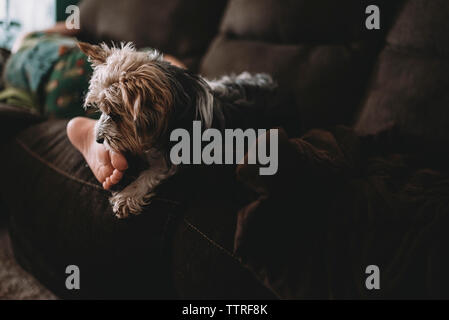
(100, 140)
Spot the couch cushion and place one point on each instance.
(14, 119)
(409, 87)
(292, 21)
(181, 28)
(319, 52)
(60, 215)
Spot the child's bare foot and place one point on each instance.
(107, 166)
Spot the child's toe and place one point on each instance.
(118, 161)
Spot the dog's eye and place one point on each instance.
(91, 109)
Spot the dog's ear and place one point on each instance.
(146, 86)
(131, 98)
(96, 54)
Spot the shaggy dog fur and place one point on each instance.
(142, 98)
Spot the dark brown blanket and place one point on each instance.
(337, 206)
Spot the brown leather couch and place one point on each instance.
(322, 56)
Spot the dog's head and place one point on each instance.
(142, 98)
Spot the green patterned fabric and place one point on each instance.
(49, 73)
(66, 86)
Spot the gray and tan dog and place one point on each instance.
(142, 98)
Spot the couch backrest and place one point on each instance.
(178, 27)
(410, 86)
(319, 51)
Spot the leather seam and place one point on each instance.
(214, 243)
(53, 167)
(67, 175)
(416, 52)
(227, 252)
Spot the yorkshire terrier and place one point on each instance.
(142, 98)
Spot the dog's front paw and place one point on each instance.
(124, 206)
